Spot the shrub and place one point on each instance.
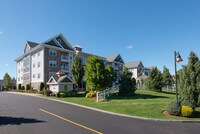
(184, 102)
(186, 111)
(19, 86)
(70, 94)
(61, 94)
(47, 92)
(91, 94)
(27, 87)
(173, 108)
(22, 88)
(14, 87)
(41, 86)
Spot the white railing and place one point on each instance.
(65, 58)
(103, 95)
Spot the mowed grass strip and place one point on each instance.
(145, 103)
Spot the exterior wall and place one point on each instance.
(54, 88)
(61, 65)
(19, 73)
(135, 72)
(69, 87)
(37, 68)
(26, 70)
(61, 87)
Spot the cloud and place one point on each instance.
(129, 47)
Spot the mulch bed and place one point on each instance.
(169, 115)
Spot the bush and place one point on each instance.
(187, 103)
(61, 94)
(41, 86)
(47, 92)
(186, 111)
(173, 108)
(70, 94)
(14, 87)
(23, 88)
(19, 86)
(27, 87)
(66, 94)
(91, 94)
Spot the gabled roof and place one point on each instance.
(32, 44)
(29, 45)
(115, 57)
(59, 41)
(133, 64)
(58, 80)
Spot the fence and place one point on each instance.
(168, 88)
(103, 95)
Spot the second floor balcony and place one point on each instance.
(64, 58)
(65, 68)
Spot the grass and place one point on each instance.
(145, 103)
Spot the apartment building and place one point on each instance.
(40, 61)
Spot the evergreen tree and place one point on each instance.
(127, 83)
(155, 80)
(7, 81)
(77, 70)
(41, 86)
(166, 77)
(94, 73)
(189, 80)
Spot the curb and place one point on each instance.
(107, 112)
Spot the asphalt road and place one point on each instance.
(21, 114)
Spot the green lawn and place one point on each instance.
(145, 104)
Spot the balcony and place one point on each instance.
(64, 58)
(65, 68)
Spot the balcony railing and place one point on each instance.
(64, 58)
(65, 68)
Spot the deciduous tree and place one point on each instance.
(7, 81)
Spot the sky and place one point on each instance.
(139, 30)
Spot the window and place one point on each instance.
(38, 64)
(18, 79)
(52, 52)
(38, 53)
(33, 75)
(52, 74)
(33, 65)
(21, 78)
(38, 75)
(19, 71)
(52, 63)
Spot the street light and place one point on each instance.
(177, 58)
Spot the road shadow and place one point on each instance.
(136, 96)
(168, 92)
(4, 120)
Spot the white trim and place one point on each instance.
(53, 80)
(58, 43)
